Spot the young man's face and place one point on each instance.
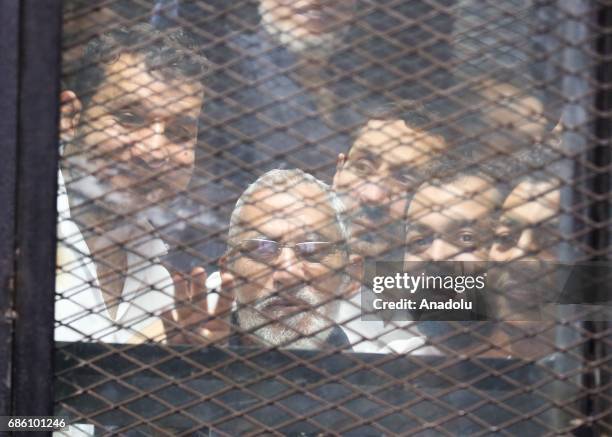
(375, 178)
(509, 106)
(304, 24)
(451, 222)
(528, 227)
(524, 250)
(134, 144)
(288, 288)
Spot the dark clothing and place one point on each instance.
(338, 339)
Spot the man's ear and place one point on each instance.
(70, 114)
(340, 161)
(354, 270)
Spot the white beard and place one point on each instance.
(304, 330)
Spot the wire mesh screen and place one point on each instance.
(318, 217)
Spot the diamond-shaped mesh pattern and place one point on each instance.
(244, 187)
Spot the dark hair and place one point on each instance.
(413, 113)
(171, 53)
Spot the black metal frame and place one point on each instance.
(30, 42)
(9, 44)
(599, 212)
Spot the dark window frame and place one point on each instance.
(30, 42)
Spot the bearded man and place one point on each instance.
(288, 263)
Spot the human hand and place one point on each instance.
(195, 321)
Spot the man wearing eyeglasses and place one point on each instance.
(288, 265)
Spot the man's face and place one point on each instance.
(307, 24)
(134, 142)
(374, 179)
(452, 222)
(445, 224)
(524, 250)
(288, 288)
(509, 106)
(528, 227)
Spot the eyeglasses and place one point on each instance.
(267, 251)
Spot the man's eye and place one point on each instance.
(314, 251)
(405, 179)
(466, 238)
(129, 119)
(505, 240)
(259, 249)
(363, 165)
(419, 243)
(180, 135)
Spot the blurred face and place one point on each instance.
(134, 142)
(374, 180)
(452, 222)
(524, 242)
(446, 224)
(528, 227)
(292, 256)
(307, 24)
(510, 106)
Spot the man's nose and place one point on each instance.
(528, 247)
(441, 250)
(287, 270)
(505, 255)
(373, 192)
(151, 144)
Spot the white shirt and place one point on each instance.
(80, 311)
(374, 336)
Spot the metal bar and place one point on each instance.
(9, 46)
(39, 76)
(600, 154)
(599, 210)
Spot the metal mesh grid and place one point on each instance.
(205, 285)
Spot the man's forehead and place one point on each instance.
(532, 202)
(302, 206)
(510, 105)
(546, 191)
(303, 3)
(275, 6)
(394, 141)
(128, 80)
(469, 198)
